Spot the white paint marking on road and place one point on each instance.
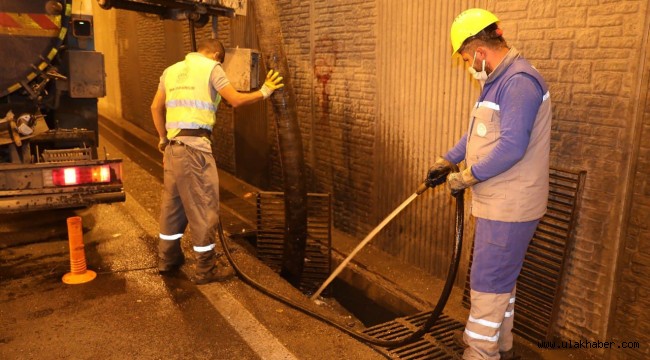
(254, 333)
(258, 337)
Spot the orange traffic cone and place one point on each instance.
(78, 273)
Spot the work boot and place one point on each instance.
(166, 267)
(221, 259)
(509, 355)
(216, 274)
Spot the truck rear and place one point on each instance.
(50, 79)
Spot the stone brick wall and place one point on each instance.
(296, 20)
(586, 51)
(630, 316)
(330, 47)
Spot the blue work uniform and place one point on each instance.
(507, 146)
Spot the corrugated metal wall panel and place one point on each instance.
(424, 100)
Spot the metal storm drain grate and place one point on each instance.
(541, 275)
(437, 343)
(270, 236)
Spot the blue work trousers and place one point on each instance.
(499, 251)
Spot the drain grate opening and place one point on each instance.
(270, 236)
(437, 343)
(365, 309)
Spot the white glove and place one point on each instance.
(458, 181)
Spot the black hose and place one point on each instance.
(435, 314)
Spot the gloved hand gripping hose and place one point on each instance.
(435, 314)
(437, 175)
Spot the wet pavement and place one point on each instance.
(381, 287)
(130, 311)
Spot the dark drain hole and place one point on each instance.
(366, 310)
(353, 300)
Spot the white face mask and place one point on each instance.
(482, 75)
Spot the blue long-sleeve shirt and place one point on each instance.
(519, 103)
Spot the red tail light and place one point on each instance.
(81, 175)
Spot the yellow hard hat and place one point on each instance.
(469, 23)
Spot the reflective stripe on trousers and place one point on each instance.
(505, 337)
(169, 248)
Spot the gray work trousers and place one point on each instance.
(488, 330)
(190, 196)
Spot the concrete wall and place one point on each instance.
(587, 53)
(632, 298)
(106, 42)
(349, 101)
(424, 96)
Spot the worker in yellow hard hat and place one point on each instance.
(468, 24)
(506, 150)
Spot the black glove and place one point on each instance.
(438, 172)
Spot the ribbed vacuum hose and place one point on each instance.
(270, 38)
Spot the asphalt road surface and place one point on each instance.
(130, 311)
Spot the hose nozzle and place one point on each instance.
(431, 183)
(422, 188)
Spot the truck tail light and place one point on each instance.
(81, 175)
